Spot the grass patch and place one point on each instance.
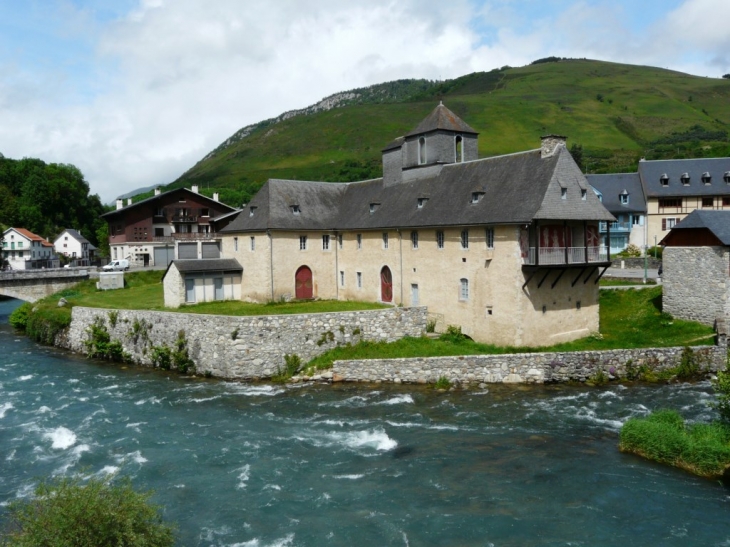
(610, 282)
(663, 436)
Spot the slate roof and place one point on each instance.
(651, 172)
(160, 196)
(78, 237)
(718, 222)
(208, 265)
(441, 118)
(512, 189)
(612, 185)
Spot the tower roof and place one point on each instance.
(441, 118)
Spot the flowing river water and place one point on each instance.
(259, 465)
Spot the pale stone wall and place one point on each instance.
(288, 258)
(243, 347)
(256, 281)
(527, 368)
(696, 283)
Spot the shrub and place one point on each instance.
(180, 358)
(65, 513)
(19, 317)
(46, 323)
(100, 345)
(453, 334)
(442, 383)
(655, 251)
(688, 365)
(292, 364)
(161, 357)
(722, 392)
(431, 325)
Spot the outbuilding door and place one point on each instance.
(386, 285)
(303, 283)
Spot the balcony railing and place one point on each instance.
(559, 256)
(186, 236)
(615, 226)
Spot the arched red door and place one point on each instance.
(386, 285)
(303, 283)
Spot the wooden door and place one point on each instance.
(386, 285)
(303, 283)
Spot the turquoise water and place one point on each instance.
(261, 465)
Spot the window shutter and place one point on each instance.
(664, 225)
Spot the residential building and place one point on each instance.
(25, 250)
(623, 196)
(74, 246)
(506, 247)
(173, 224)
(696, 278)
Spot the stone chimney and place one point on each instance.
(158, 191)
(215, 196)
(195, 188)
(550, 144)
(120, 203)
(129, 201)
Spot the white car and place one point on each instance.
(117, 265)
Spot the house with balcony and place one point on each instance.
(623, 196)
(71, 244)
(174, 224)
(505, 247)
(24, 250)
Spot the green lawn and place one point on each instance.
(611, 282)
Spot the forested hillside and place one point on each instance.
(613, 113)
(46, 198)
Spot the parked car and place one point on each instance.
(117, 265)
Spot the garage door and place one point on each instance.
(211, 250)
(187, 250)
(164, 255)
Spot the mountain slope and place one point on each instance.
(616, 112)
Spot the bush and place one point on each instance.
(19, 317)
(631, 251)
(46, 323)
(453, 334)
(66, 513)
(722, 391)
(442, 383)
(655, 251)
(292, 364)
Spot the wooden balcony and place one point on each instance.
(562, 256)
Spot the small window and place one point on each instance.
(302, 243)
(385, 240)
(421, 150)
(624, 198)
(583, 195)
(726, 201)
(464, 292)
(564, 193)
(359, 280)
(577, 305)
(465, 239)
(458, 148)
(342, 279)
(359, 241)
(205, 212)
(339, 241)
(422, 202)
(708, 202)
(440, 239)
(374, 207)
(476, 196)
(65, 238)
(490, 238)
(668, 223)
(295, 209)
(253, 243)
(685, 179)
(235, 244)
(726, 177)
(159, 212)
(414, 240)
(251, 211)
(664, 180)
(670, 202)
(326, 242)
(706, 178)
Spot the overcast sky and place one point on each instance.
(134, 92)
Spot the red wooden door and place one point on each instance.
(303, 283)
(386, 285)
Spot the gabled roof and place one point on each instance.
(441, 118)
(651, 173)
(510, 189)
(717, 222)
(74, 234)
(26, 233)
(208, 265)
(610, 186)
(161, 196)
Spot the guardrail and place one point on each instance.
(558, 256)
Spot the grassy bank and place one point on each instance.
(702, 449)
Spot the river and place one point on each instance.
(259, 465)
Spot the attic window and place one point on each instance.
(563, 193)
(664, 180)
(421, 150)
(476, 196)
(251, 211)
(624, 198)
(583, 195)
(295, 209)
(458, 148)
(374, 207)
(706, 177)
(726, 177)
(685, 179)
(422, 202)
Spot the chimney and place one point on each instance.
(215, 196)
(158, 191)
(129, 201)
(120, 204)
(195, 188)
(550, 144)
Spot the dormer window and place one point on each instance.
(422, 150)
(563, 193)
(624, 198)
(685, 179)
(664, 180)
(476, 196)
(583, 195)
(295, 209)
(251, 211)
(374, 207)
(726, 177)
(706, 178)
(422, 202)
(459, 149)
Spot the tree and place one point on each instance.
(726, 76)
(66, 512)
(577, 152)
(2, 253)
(102, 238)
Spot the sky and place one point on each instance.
(135, 92)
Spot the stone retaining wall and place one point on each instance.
(527, 368)
(243, 348)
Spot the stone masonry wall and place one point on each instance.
(249, 347)
(696, 283)
(528, 368)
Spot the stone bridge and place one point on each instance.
(32, 285)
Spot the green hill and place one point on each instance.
(617, 113)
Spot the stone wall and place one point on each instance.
(634, 263)
(696, 283)
(528, 368)
(243, 348)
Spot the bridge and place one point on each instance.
(32, 285)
